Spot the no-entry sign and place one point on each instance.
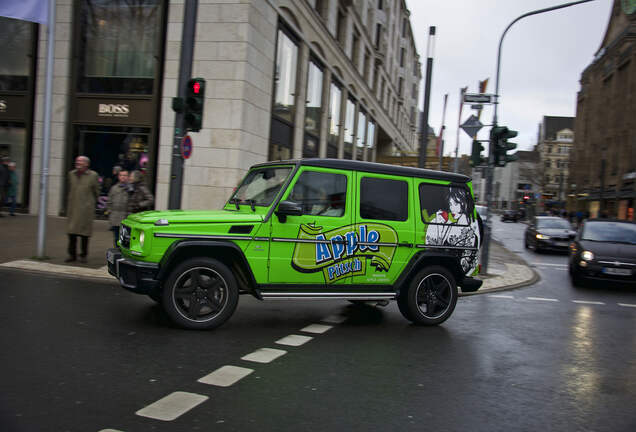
(186, 147)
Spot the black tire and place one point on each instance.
(577, 280)
(200, 294)
(431, 296)
(525, 242)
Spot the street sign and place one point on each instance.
(477, 106)
(478, 98)
(186, 147)
(471, 126)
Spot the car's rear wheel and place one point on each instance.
(431, 296)
(200, 293)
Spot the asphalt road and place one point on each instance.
(81, 355)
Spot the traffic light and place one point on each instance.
(195, 98)
(499, 136)
(475, 158)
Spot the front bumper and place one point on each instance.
(135, 276)
(605, 271)
(553, 244)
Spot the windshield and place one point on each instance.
(616, 232)
(261, 186)
(553, 223)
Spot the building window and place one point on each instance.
(341, 27)
(370, 140)
(360, 136)
(404, 27)
(402, 57)
(355, 52)
(281, 134)
(348, 131)
(378, 35)
(319, 6)
(335, 100)
(380, 5)
(313, 110)
(400, 86)
(118, 46)
(366, 66)
(16, 38)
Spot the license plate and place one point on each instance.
(561, 243)
(617, 271)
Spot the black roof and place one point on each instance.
(555, 124)
(377, 168)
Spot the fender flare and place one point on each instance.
(423, 258)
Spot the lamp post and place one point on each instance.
(489, 169)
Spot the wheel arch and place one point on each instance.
(224, 251)
(428, 258)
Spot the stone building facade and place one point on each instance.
(603, 167)
(556, 143)
(284, 79)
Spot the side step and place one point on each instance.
(287, 295)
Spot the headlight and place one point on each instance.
(587, 255)
(543, 237)
(142, 237)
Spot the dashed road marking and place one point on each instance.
(264, 355)
(588, 302)
(316, 328)
(501, 296)
(542, 299)
(172, 406)
(334, 319)
(627, 305)
(548, 264)
(225, 376)
(294, 340)
(110, 430)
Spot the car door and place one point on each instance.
(384, 228)
(308, 249)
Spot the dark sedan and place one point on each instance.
(549, 233)
(512, 215)
(604, 250)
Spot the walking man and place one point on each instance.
(12, 191)
(4, 182)
(118, 203)
(83, 187)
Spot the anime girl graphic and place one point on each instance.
(450, 215)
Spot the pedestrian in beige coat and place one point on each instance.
(83, 190)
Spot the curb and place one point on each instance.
(74, 272)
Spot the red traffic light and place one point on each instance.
(196, 87)
(526, 197)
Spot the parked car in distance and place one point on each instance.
(512, 215)
(548, 233)
(603, 249)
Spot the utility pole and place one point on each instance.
(427, 96)
(185, 72)
(491, 151)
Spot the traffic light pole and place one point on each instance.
(185, 71)
(491, 150)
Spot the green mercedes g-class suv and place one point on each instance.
(310, 229)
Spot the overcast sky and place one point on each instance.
(541, 61)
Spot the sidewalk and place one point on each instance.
(19, 234)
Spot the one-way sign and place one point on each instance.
(471, 126)
(478, 98)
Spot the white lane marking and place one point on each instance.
(334, 319)
(588, 302)
(316, 328)
(172, 406)
(264, 355)
(627, 305)
(550, 265)
(542, 299)
(225, 376)
(110, 430)
(501, 296)
(294, 340)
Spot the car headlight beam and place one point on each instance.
(587, 255)
(543, 237)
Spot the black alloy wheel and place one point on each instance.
(201, 293)
(430, 298)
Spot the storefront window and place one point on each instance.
(314, 99)
(334, 121)
(118, 46)
(285, 78)
(348, 132)
(360, 137)
(13, 146)
(16, 39)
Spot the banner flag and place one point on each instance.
(27, 10)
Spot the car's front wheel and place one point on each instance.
(430, 298)
(200, 293)
(576, 278)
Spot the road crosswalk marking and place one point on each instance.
(172, 406)
(316, 328)
(264, 355)
(294, 340)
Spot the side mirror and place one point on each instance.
(290, 208)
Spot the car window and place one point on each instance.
(384, 199)
(615, 232)
(553, 224)
(445, 204)
(320, 193)
(261, 185)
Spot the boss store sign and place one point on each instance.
(125, 112)
(13, 107)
